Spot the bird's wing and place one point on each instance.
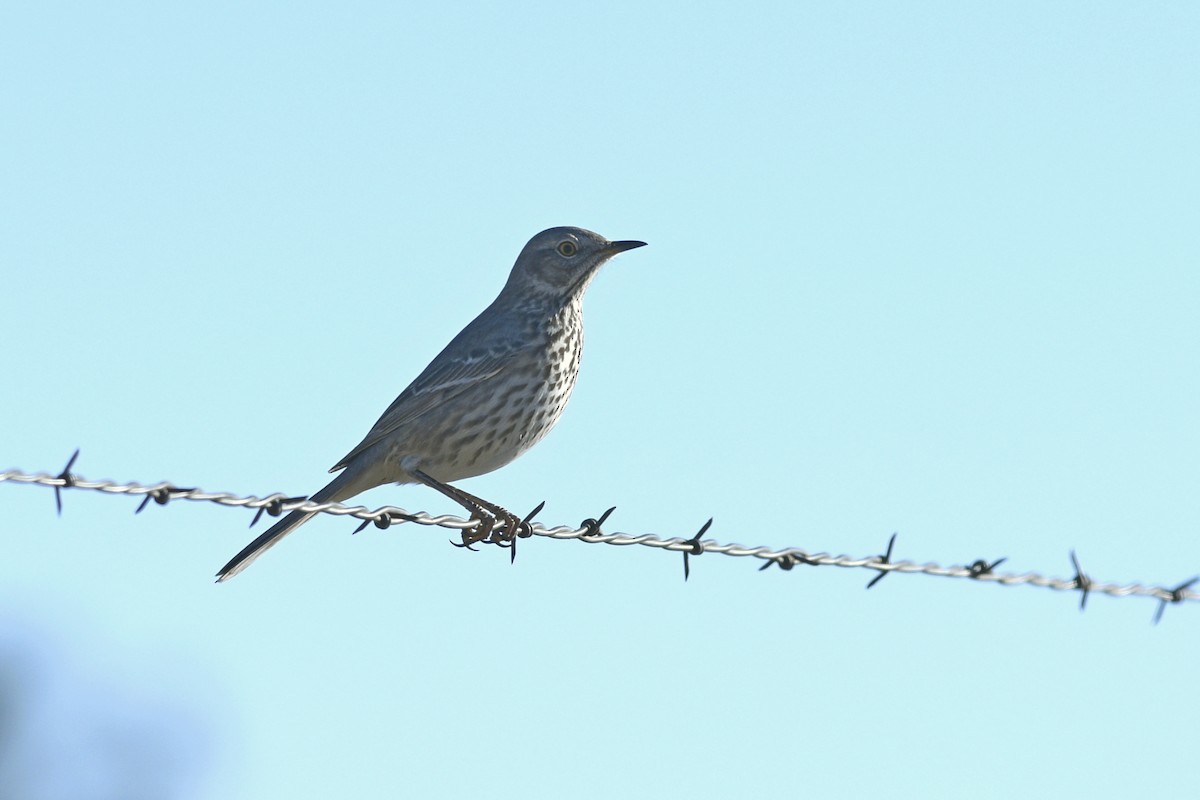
(445, 378)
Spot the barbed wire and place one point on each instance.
(589, 531)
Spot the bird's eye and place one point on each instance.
(567, 248)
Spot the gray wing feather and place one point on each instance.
(447, 376)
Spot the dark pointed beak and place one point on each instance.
(620, 247)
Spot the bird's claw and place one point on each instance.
(499, 526)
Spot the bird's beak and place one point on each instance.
(620, 247)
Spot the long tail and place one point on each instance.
(344, 486)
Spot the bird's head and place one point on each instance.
(560, 262)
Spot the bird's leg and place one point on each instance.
(483, 513)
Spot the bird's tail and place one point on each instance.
(344, 486)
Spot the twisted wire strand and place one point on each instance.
(590, 533)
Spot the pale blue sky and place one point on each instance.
(927, 268)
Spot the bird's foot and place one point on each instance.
(499, 526)
(479, 531)
(493, 525)
(514, 526)
(508, 529)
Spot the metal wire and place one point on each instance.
(590, 532)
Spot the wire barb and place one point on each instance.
(886, 558)
(697, 548)
(68, 480)
(524, 531)
(275, 506)
(591, 527)
(980, 567)
(789, 560)
(1082, 582)
(162, 495)
(1178, 594)
(385, 519)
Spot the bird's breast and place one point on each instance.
(513, 411)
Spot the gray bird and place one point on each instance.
(490, 395)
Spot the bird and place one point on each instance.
(492, 393)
